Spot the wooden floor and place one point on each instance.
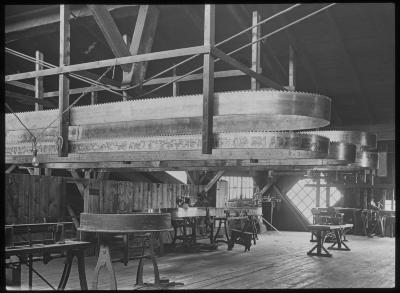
(277, 261)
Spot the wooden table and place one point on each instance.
(319, 230)
(72, 249)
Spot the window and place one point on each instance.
(388, 205)
(239, 187)
(304, 197)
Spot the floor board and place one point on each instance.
(278, 260)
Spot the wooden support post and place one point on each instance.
(63, 86)
(208, 80)
(79, 185)
(383, 199)
(127, 42)
(142, 40)
(175, 85)
(255, 50)
(189, 178)
(213, 181)
(328, 196)
(38, 81)
(73, 216)
(93, 98)
(318, 194)
(392, 203)
(111, 33)
(292, 70)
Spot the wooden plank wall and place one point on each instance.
(108, 196)
(31, 199)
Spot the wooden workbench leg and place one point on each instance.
(139, 273)
(30, 264)
(218, 229)
(161, 243)
(175, 233)
(126, 248)
(154, 261)
(66, 271)
(226, 230)
(194, 230)
(80, 254)
(212, 232)
(319, 246)
(104, 260)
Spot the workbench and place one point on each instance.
(319, 230)
(72, 248)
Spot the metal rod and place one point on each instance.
(270, 224)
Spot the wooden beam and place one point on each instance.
(188, 175)
(318, 193)
(292, 69)
(110, 62)
(267, 53)
(233, 62)
(38, 93)
(124, 73)
(63, 81)
(328, 197)
(93, 98)
(22, 85)
(161, 80)
(111, 33)
(48, 22)
(142, 41)
(104, 79)
(208, 80)
(213, 181)
(79, 185)
(11, 168)
(175, 85)
(255, 50)
(73, 216)
(38, 81)
(29, 100)
(265, 188)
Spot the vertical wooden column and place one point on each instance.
(93, 98)
(38, 81)
(63, 84)
(175, 85)
(328, 196)
(392, 203)
(383, 199)
(208, 80)
(318, 193)
(255, 50)
(38, 92)
(292, 70)
(126, 40)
